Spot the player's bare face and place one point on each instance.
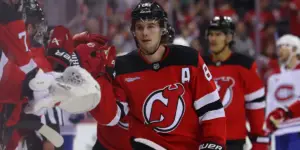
(284, 53)
(216, 40)
(148, 35)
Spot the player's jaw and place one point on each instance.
(283, 54)
(216, 40)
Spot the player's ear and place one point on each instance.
(229, 38)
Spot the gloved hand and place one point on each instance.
(74, 91)
(95, 57)
(85, 37)
(60, 47)
(275, 118)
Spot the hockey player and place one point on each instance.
(92, 53)
(241, 90)
(17, 69)
(16, 64)
(179, 107)
(288, 52)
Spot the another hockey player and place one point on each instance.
(17, 69)
(283, 94)
(288, 52)
(240, 88)
(172, 99)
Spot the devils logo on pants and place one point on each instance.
(164, 108)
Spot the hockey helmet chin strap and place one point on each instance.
(222, 49)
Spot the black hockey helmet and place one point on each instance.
(221, 23)
(33, 14)
(151, 10)
(147, 9)
(171, 33)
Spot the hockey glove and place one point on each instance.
(74, 91)
(60, 48)
(275, 118)
(96, 59)
(85, 37)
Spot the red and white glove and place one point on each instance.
(96, 58)
(85, 37)
(60, 47)
(275, 118)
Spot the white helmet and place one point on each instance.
(289, 40)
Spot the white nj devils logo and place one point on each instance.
(164, 108)
(284, 92)
(224, 86)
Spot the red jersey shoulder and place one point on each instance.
(235, 59)
(175, 55)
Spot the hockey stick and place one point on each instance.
(55, 138)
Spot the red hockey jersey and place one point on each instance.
(15, 44)
(173, 102)
(38, 55)
(11, 78)
(111, 133)
(242, 94)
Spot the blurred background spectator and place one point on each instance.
(258, 22)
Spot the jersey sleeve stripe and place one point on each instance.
(123, 107)
(121, 112)
(3, 62)
(255, 95)
(257, 105)
(208, 98)
(117, 118)
(28, 67)
(216, 105)
(261, 99)
(213, 114)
